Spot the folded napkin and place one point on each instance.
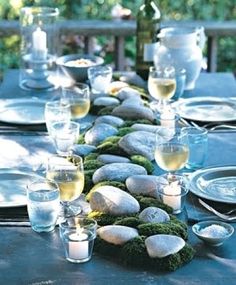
(197, 213)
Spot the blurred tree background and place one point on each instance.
(101, 9)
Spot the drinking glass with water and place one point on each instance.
(43, 204)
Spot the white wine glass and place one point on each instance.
(162, 85)
(68, 173)
(171, 150)
(78, 96)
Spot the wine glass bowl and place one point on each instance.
(68, 173)
(162, 84)
(78, 96)
(171, 150)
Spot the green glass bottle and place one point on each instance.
(148, 25)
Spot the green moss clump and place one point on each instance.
(168, 228)
(112, 139)
(124, 131)
(117, 184)
(105, 248)
(81, 139)
(143, 161)
(134, 252)
(106, 111)
(88, 181)
(103, 219)
(132, 222)
(129, 123)
(91, 156)
(95, 109)
(92, 164)
(110, 148)
(145, 202)
(174, 261)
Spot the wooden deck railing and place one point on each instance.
(122, 29)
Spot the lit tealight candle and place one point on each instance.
(78, 246)
(39, 40)
(167, 119)
(101, 83)
(172, 196)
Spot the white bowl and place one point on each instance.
(78, 72)
(212, 240)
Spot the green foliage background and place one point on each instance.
(101, 9)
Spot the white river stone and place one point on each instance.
(117, 171)
(154, 215)
(110, 120)
(106, 101)
(110, 158)
(163, 245)
(133, 112)
(139, 142)
(144, 184)
(128, 92)
(145, 127)
(99, 133)
(117, 235)
(83, 149)
(114, 201)
(132, 101)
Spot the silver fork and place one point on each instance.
(224, 216)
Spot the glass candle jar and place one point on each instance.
(39, 43)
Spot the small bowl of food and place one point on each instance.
(76, 65)
(213, 233)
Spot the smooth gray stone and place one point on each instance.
(117, 235)
(99, 133)
(139, 142)
(154, 215)
(114, 201)
(145, 184)
(83, 149)
(145, 127)
(109, 158)
(110, 120)
(117, 171)
(162, 245)
(128, 92)
(106, 101)
(133, 112)
(132, 101)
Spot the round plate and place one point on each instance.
(13, 187)
(22, 111)
(215, 183)
(206, 109)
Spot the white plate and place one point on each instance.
(13, 187)
(215, 183)
(22, 111)
(206, 109)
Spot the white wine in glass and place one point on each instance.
(172, 150)
(78, 96)
(68, 172)
(162, 84)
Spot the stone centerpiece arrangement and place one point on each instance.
(135, 227)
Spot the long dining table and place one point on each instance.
(27, 257)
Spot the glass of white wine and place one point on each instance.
(171, 150)
(78, 96)
(68, 173)
(162, 85)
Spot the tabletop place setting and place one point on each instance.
(136, 174)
